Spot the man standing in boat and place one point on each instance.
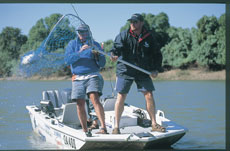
(136, 46)
(86, 79)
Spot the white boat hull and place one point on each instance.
(132, 137)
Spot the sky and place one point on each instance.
(105, 20)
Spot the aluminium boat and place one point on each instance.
(55, 119)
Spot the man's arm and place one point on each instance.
(100, 58)
(156, 58)
(70, 55)
(117, 47)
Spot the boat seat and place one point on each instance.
(53, 96)
(70, 115)
(109, 104)
(57, 97)
(65, 95)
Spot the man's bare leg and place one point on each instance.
(82, 114)
(94, 97)
(119, 108)
(150, 106)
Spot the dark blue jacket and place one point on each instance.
(141, 51)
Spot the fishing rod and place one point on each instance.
(102, 52)
(125, 62)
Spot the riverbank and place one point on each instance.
(176, 74)
(194, 74)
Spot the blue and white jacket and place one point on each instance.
(83, 63)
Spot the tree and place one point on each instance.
(39, 32)
(5, 65)
(209, 41)
(221, 39)
(51, 21)
(160, 22)
(159, 25)
(107, 47)
(177, 53)
(11, 41)
(207, 26)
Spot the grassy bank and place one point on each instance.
(176, 74)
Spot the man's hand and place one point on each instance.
(74, 77)
(113, 58)
(154, 74)
(84, 47)
(96, 54)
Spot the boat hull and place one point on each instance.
(132, 137)
(163, 143)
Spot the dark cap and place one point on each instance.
(136, 17)
(82, 27)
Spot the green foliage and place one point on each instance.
(8, 65)
(209, 42)
(107, 47)
(51, 21)
(221, 38)
(207, 26)
(39, 32)
(11, 41)
(203, 46)
(177, 52)
(181, 48)
(148, 20)
(5, 65)
(160, 22)
(207, 51)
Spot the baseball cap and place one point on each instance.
(82, 27)
(136, 17)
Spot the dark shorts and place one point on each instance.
(123, 85)
(81, 88)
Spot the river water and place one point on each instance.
(196, 105)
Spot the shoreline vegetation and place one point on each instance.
(175, 74)
(198, 51)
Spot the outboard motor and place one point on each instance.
(47, 107)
